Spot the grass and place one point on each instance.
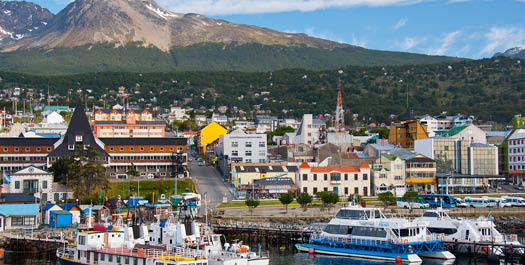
(148, 188)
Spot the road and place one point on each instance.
(207, 179)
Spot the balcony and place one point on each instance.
(335, 181)
(30, 190)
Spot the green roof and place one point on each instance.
(451, 132)
(390, 157)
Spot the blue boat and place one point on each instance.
(366, 233)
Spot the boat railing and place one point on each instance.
(510, 237)
(352, 240)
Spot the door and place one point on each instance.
(95, 257)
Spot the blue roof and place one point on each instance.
(68, 206)
(19, 209)
(48, 206)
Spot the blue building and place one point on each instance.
(19, 216)
(60, 218)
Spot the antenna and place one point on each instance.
(339, 112)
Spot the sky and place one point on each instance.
(463, 28)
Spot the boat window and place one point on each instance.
(351, 214)
(403, 232)
(377, 214)
(439, 230)
(338, 229)
(430, 214)
(368, 231)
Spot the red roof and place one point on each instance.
(331, 169)
(190, 132)
(364, 165)
(304, 165)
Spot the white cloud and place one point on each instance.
(500, 39)
(411, 42)
(446, 42)
(323, 35)
(228, 7)
(400, 23)
(358, 42)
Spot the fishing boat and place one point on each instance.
(366, 233)
(113, 246)
(469, 235)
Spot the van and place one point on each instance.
(514, 201)
(476, 202)
(496, 202)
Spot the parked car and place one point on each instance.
(460, 203)
(476, 202)
(414, 204)
(514, 201)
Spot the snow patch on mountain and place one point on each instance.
(161, 13)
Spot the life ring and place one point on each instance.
(442, 237)
(406, 241)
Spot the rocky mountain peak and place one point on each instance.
(19, 20)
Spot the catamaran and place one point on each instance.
(366, 233)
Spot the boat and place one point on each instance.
(365, 233)
(185, 232)
(113, 246)
(475, 236)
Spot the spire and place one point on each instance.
(339, 112)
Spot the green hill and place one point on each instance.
(490, 89)
(200, 57)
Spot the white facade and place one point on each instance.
(343, 180)
(312, 131)
(242, 147)
(178, 113)
(517, 151)
(389, 175)
(473, 134)
(32, 180)
(431, 123)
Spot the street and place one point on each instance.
(207, 179)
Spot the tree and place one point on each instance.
(252, 204)
(286, 199)
(60, 169)
(358, 198)
(329, 198)
(87, 172)
(132, 171)
(387, 198)
(304, 199)
(411, 197)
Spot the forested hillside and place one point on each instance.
(491, 89)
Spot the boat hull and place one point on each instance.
(62, 261)
(361, 254)
(444, 255)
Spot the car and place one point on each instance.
(150, 176)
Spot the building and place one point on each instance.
(460, 156)
(240, 147)
(516, 156)
(405, 132)
(431, 123)
(469, 133)
(209, 134)
(46, 211)
(272, 187)
(156, 156)
(311, 131)
(60, 218)
(127, 123)
(34, 181)
(420, 174)
(266, 123)
(341, 180)
(246, 173)
(389, 175)
(219, 118)
(178, 114)
(19, 216)
(459, 183)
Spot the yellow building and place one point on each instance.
(407, 131)
(420, 174)
(209, 134)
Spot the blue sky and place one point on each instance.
(464, 28)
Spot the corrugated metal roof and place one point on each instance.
(19, 209)
(144, 141)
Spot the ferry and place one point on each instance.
(103, 246)
(465, 232)
(365, 233)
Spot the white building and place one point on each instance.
(342, 180)
(431, 123)
(242, 147)
(517, 151)
(178, 114)
(312, 131)
(32, 180)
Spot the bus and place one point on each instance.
(439, 200)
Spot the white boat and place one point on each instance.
(366, 233)
(465, 232)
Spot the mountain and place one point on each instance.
(21, 19)
(517, 52)
(141, 36)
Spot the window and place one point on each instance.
(235, 153)
(365, 191)
(305, 190)
(44, 197)
(152, 148)
(17, 184)
(315, 177)
(365, 176)
(171, 149)
(315, 191)
(248, 144)
(78, 138)
(180, 149)
(38, 149)
(28, 149)
(248, 153)
(57, 197)
(346, 176)
(122, 149)
(346, 190)
(325, 176)
(126, 260)
(131, 149)
(305, 177)
(235, 144)
(356, 177)
(44, 184)
(161, 149)
(325, 189)
(262, 144)
(111, 149)
(81, 240)
(102, 255)
(16, 149)
(141, 149)
(110, 259)
(71, 147)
